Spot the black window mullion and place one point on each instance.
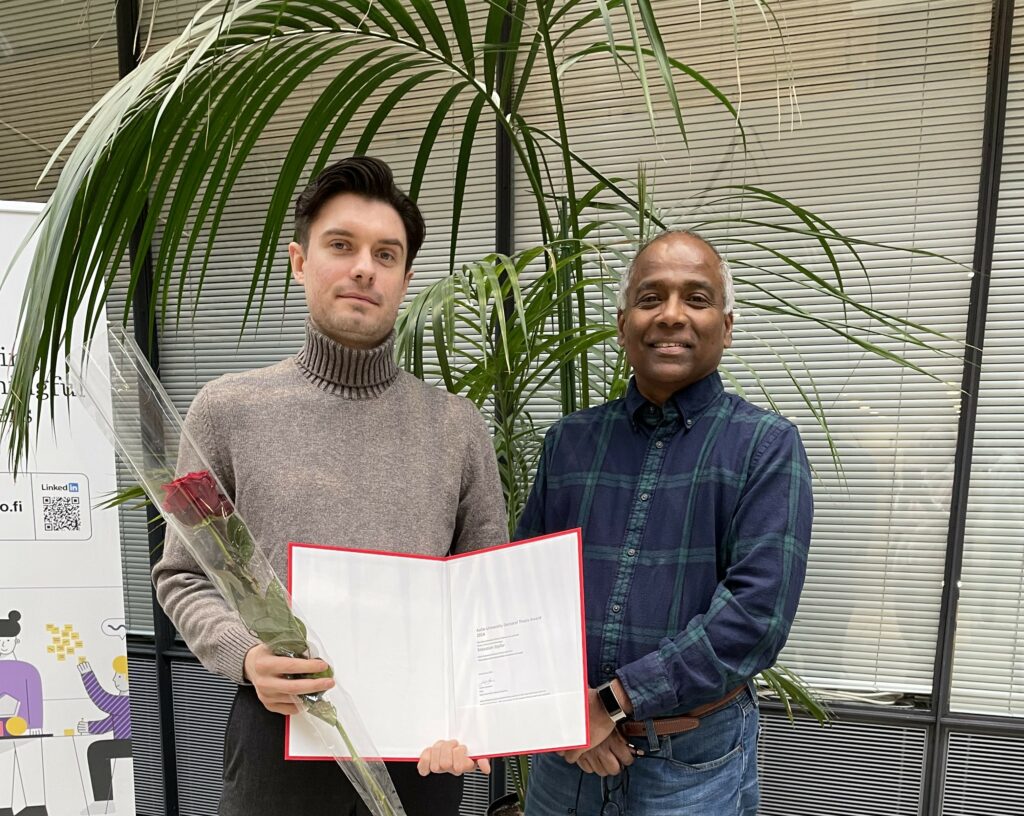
(984, 243)
(146, 336)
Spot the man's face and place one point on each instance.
(7, 645)
(353, 269)
(121, 682)
(673, 328)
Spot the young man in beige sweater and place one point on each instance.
(335, 445)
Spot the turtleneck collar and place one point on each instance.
(347, 372)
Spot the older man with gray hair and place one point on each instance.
(696, 513)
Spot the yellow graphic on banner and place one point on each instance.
(64, 641)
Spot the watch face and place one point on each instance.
(611, 705)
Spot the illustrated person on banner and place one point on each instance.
(696, 510)
(21, 715)
(334, 445)
(118, 722)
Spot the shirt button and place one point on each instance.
(659, 444)
(644, 496)
(631, 551)
(607, 669)
(616, 607)
(689, 423)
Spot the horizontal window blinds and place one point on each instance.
(56, 60)
(887, 149)
(988, 668)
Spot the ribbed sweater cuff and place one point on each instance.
(234, 643)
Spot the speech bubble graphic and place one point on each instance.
(114, 627)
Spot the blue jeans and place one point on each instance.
(710, 771)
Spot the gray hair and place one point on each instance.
(723, 268)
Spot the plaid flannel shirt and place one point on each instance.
(696, 520)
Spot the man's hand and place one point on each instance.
(271, 676)
(608, 758)
(601, 724)
(450, 756)
(84, 667)
(83, 726)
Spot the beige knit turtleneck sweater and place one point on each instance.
(332, 446)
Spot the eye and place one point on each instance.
(339, 244)
(648, 299)
(387, 255)
(699, 300)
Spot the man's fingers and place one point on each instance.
(441, 756)
(282, 708)
(423, 766)
(272, 664)
(620, 749)
(607, 764)
(282, 685)
(449, 756)
(461, 763)
(264, 661)
(572, 756)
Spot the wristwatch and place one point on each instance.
(610, 703)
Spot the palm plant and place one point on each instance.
(162, 152)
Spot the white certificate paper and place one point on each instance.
(487, 647)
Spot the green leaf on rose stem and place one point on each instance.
(232, 586)
(239, 539)
(252, 608)
(277, 630)
(274, 623)
(322, 709)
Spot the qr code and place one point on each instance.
(62, 513)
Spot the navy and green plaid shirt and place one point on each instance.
(696, 520)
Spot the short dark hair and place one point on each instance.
(367, 177)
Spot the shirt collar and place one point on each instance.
(689, 402)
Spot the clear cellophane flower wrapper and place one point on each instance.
(132, 409)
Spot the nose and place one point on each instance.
(362, 267)
(673, 311)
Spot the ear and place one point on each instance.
(728, 331)
(620, 322)
(405, 284)
(298, 261)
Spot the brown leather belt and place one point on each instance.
(666, 726)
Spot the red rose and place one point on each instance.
(193, 498)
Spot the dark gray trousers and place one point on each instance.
(100, 754)
(259, 781)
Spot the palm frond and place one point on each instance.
(165, 148)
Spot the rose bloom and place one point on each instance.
(194, 498)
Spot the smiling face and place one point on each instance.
(674, 327)
(353, 269)
(7, 645)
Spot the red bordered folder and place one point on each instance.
(487, 647)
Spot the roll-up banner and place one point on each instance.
(65, 719)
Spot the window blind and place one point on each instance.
(886, 146)
(988, 668)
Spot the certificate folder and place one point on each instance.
(486, 647)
